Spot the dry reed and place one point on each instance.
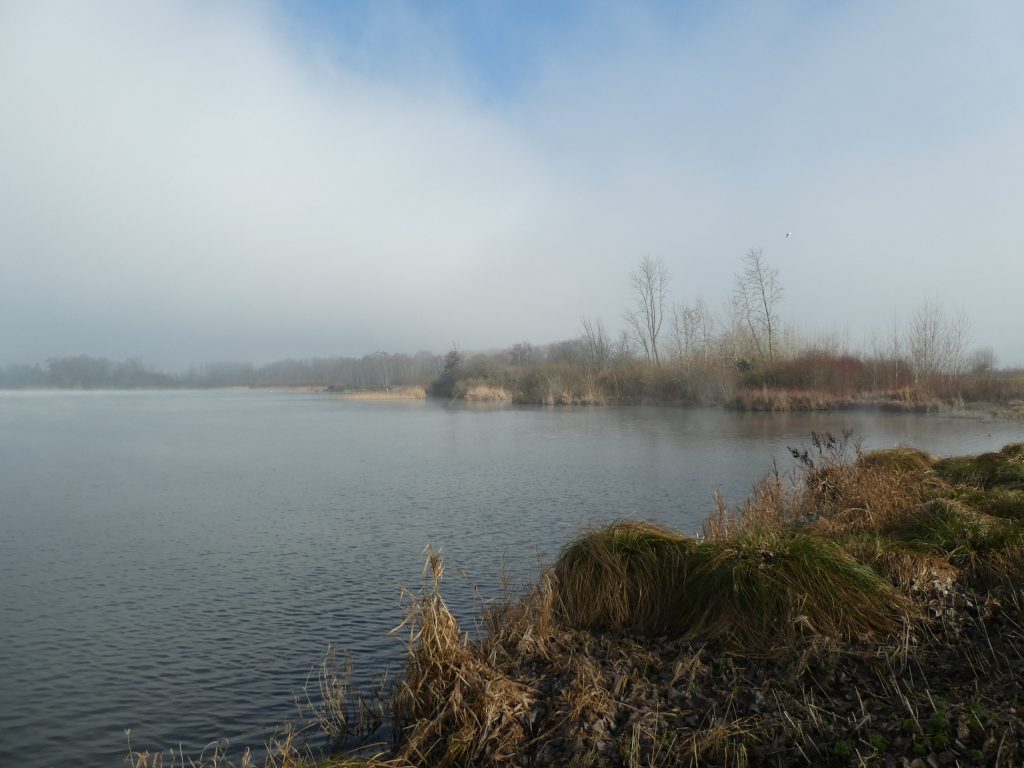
(460, 710)
(393, 393)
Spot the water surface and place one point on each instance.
(176, 562)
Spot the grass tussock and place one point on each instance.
(998, 502)
(899, 459)
(867, 494)
(838, 553)
(983, 548)
(626, 576)
(1003, 469)
(753, 592)
(909, 570)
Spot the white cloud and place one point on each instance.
(188, 181)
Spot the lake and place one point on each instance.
(176, 562)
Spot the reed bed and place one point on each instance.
(392, 393)
(483, 392)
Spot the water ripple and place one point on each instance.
(176, 563)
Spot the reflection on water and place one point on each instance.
(175, 563)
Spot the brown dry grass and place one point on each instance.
(778, 400)
(287, 750)
(460, 709)
(394, 393)
(475, 392)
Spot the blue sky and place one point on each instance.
(206, 180)
(499, 45)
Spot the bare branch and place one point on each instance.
(649, 282)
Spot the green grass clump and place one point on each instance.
(985, 549)
(753, 592)
(1009, 475)
(626, 576)
(966, 470)
(899, 459)
(762, 589)
(987, 470)
(1006, 503)
(1013, 451)
(905, 567)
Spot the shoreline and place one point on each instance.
(780, 402)
(872, 613)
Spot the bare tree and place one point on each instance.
(597, 348)
(735, 338)
(521, 353)
(958, 338)
(757, 293)
(685, 327)
(898, 345)
(706, 330)
(937, 344)
(982, 361)
(924, 341)
(649, 282)
(623, 351)
(692, 333)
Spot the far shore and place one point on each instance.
(389, 393)
(751, 400)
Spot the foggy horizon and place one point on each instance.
(198, 182)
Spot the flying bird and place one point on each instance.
(788, 234)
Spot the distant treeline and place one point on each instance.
(811, 378)
(376, 371)
(743, 355)
(589, 369)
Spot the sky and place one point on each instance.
(195, 181)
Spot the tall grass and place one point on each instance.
(458, 709)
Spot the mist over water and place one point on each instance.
(176, 562)
(191, 191)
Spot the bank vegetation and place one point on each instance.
(664, 349)
(867, 609)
